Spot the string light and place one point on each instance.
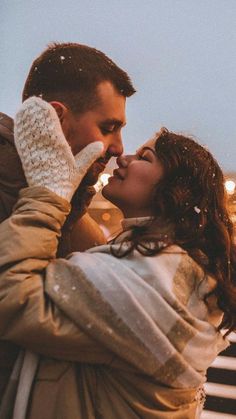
(230, 186)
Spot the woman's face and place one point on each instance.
(132, 185)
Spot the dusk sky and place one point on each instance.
(180, 54)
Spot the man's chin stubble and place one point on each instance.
(91, 177)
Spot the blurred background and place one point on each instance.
(181, 57)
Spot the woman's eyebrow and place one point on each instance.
(146, 148)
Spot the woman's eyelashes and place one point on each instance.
(143, 157)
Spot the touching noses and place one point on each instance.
(116, 146)
(124, 160)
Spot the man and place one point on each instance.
(88, 92)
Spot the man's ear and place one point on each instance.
(60, 109)
(63, 114)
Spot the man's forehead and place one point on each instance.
(110, 103)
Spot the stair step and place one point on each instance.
(225, 362)
(207, 414)
(220, 390)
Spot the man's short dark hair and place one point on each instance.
(70, 73)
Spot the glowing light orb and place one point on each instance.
(102, 181)
(104, 178)
(106, 216)
(230, 186)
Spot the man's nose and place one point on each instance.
(116, 146)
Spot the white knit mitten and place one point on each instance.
(46, 156)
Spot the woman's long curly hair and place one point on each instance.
(191, 196)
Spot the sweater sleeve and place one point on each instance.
(28, 316)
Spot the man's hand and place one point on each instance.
(46, 156)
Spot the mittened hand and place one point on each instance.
(46, 156)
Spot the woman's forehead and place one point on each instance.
(149, 143)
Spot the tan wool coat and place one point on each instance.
(117, 338)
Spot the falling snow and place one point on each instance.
(197, 210)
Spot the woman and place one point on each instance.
(140, 318)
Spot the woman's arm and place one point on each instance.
(28, 317)
(29, 238)
(84, 234)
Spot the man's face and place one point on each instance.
(103, 123)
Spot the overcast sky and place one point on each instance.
(180, 54)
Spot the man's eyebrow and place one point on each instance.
(114, 121)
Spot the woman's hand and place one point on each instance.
(46, 156)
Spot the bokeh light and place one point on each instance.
(230, 186)
(104, 178)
